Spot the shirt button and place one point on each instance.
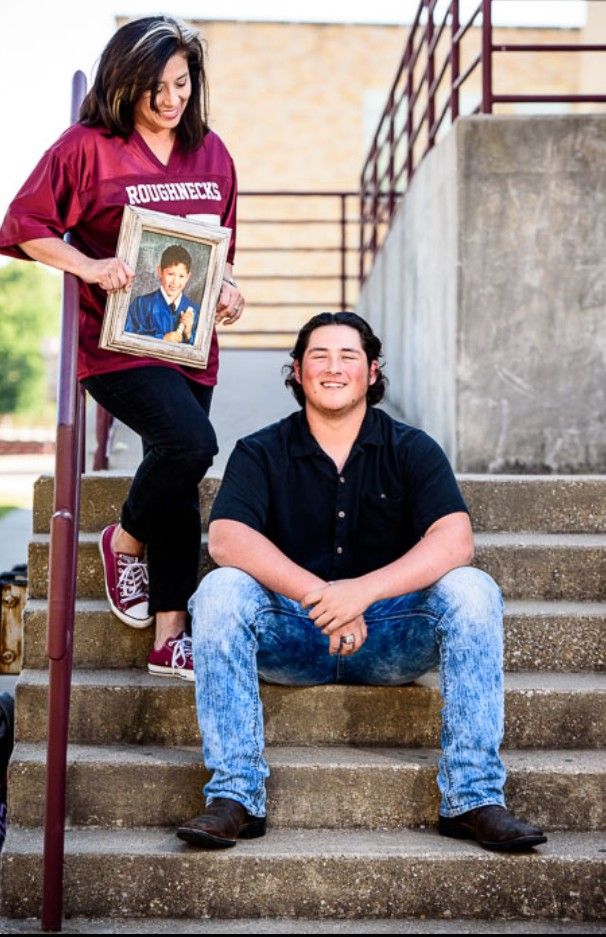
(339, 549)
(342, 479)
(341, 513)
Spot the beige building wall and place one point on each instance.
(297, 105)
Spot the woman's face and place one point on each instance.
(173, 92)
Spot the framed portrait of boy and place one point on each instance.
(169, 311)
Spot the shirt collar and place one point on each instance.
(304, 444)
(169, 302)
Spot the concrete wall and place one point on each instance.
(499, 248)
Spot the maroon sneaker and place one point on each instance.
(173, 659)
(126, 583)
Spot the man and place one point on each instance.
(344, 543)
(167, 313)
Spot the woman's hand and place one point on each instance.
(110, 274)
(230, 305)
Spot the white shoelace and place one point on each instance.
(133, 580)
(182, 652)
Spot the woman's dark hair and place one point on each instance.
(370, 343)
(132, 63)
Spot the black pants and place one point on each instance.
(162, 509)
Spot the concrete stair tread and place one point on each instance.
(526, 681)
(308, 925)
(496, 502)
(551, 607)
(305, 844)
(368, 786)
(521, 539)
(504, 539)
(569, 761)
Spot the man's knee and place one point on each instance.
(225, 598)
(472, 594)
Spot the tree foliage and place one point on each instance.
(29, 313)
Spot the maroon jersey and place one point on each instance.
(81, 185)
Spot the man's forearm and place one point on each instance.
(232, 543)
(447, 544)
(442, 549)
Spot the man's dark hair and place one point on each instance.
(370, 343)
(175, 254)
(131, 64)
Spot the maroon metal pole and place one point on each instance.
(343, 253)
(62, 589)
(487, 56)
(409, 125)
(362, 230)
(455, 60)
(431, 106)
(391, 142)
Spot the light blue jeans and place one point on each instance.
(242, 631)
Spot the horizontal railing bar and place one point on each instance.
(417, 93)
(546, 98)
(438, 35)
(437, 123)
(462, 30)
(437, 80)
(292, 250)
(331, 221)
(294, 276)
(416, 53)
(465, 75)
(548, 47)
(280, 193)
(278, 305)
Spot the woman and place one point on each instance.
(143, 121)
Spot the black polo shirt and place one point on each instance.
(396, 482)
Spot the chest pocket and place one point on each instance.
(380, 528)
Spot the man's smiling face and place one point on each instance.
(334, 372)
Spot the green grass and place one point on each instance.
(5, 508)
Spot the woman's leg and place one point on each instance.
(162, 508)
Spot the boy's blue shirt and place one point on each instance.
(152, 316)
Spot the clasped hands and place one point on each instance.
(337, 609)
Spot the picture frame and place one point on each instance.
(169, 311)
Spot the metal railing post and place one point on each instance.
(487, 56)
(455, 61)
(431, 106)
(391, 137)
(362, 230)
(343, 253)
(62, 586)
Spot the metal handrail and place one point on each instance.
(393, 157)
(69, 463)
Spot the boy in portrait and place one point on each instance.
(167, 313)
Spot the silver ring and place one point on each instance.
(348, 640)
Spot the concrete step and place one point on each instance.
(310, 873)
(536, 503)
(89, 582)
(548, 503)
(299, 925)
(543, 710)
(559, 636)
(571, 567)
(101, 499)
(323, 787)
